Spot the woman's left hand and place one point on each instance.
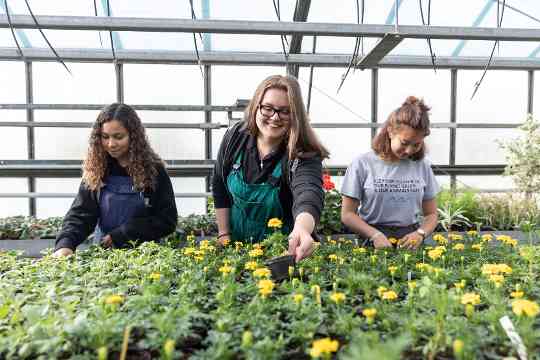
(106, 241)
(410, 241)
(301, 244)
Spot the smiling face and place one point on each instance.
(115, 140)
(273, 128)
(405, 141)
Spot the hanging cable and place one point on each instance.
(110, 32)
(432, 54)
(58, 58)
(194, 17)
(354, 57)
(19, 50)
(479, 82)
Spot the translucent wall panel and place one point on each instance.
(134, 40)
(396, 84)
(443, 181)
(66, 115)
(217, 137)
(13, 206)
(247, 10)
(163, 84)
(438, 145)
(501, 98)
(77, 39)
(13, 82)
(61, 7)
(13, 143)
(344, 144)
(178, 143)
(536, 94)
(144, 8)
(351, 104)
(89, 84)
(13, 139)
(234, 42)
(171, 117)
(486, 182)
(61, 143)
(188, 206)
(47, 207)
(238, 82)
(479, 146)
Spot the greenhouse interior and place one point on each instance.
(294, 179)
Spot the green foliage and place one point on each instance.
(507, 211)
(330, 221)
(523, 157)
(466, 200)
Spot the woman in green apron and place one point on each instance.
(270, 166)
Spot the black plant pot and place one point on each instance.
(279, 267)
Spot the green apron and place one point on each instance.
(253, 204)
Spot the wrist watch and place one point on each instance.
(422, 232)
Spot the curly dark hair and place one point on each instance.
(142, 160)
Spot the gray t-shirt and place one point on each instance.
(390, 193)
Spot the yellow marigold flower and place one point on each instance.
(512, 242)
(359, 250)
(516, 294)
(525, 307)
(114, 299)
(370, 314)
(439, 238)
(487, 237)
(337, 297)
(262, 272)
(323, 347)
(298, 298)
(155, 276)
(265, 287)
(238, 245)
(189, 251)
(381, 290)
(455, 237)
(502, 238)
(190, 238)
(257, 246)
(389, 295)
(477, 247)
(256, 253)
(275, 223)
(459, 247)
(493, 269)
(412, 285)
(250, 265)
(199, 253)
(198, 258)
(393, 240)
(470, 298)
(460, 285)
(225, 269)
(333, 257)
(457, 346)
(392, 269)
(472, 232)
(204, 244)
(225, 242)
(435, 254)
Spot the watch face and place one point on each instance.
(421, 232)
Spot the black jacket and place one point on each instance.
(301, 181)
(158, 220)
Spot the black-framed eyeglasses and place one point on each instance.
(269, 111)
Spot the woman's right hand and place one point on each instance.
(224, 240)
(380, 241)
(63, 252)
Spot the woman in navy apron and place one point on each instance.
(270, 166)
(126, 195)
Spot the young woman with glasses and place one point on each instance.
(390, 191)
(270, 166)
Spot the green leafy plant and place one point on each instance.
(451, 218)
(523, 157)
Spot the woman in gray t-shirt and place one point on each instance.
(390, 192)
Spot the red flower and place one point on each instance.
(327, 183)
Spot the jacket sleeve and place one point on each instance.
(80, 220)
(158, 221)
(306, 187)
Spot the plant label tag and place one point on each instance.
(409, 276)
(511, 332)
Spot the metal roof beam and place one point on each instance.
(379, 51)
(265, 59)
(268, 28)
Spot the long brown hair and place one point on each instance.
(142, 160)
(301, 139)
(413, 113)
